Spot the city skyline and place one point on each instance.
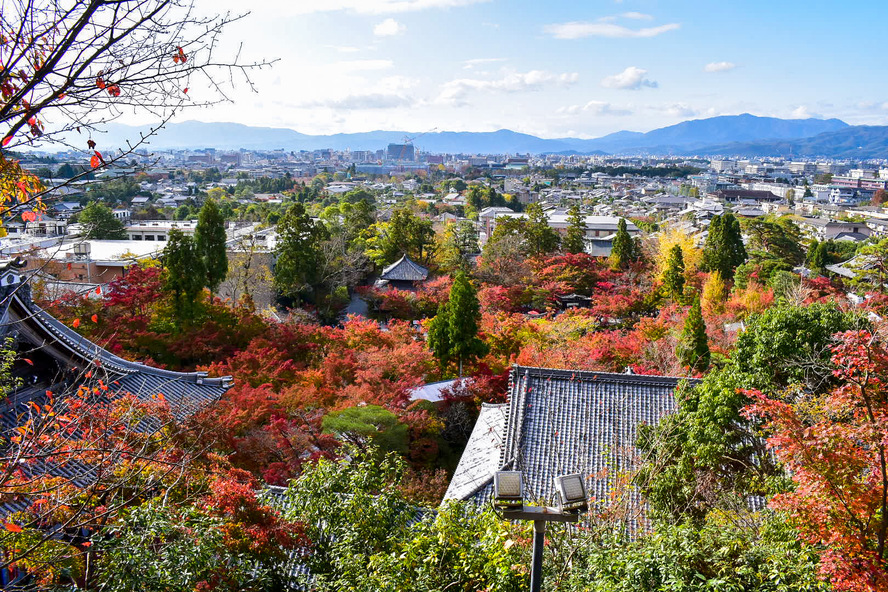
(553, 70)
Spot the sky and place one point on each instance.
(554, 68)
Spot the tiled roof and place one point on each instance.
(481, 458)
(559, 422)
(405, 270)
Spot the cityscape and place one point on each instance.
(390, 308)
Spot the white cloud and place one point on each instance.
(631, 78)
(470, 64)
(596, 108)
(367, 101)
(719, 67)
(455, 91)
(803, 112)
(374, 6)
(578, 30)
(638, 16)
(678, 110)
(388, 28)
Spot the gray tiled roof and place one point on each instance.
(561, 421)
(405, 270)
(481, 458)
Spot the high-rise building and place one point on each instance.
(399, 152)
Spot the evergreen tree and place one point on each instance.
(99, 223)
(673, 277)
(623, 249)
(298, 251)
(541, 238)
(184, 273)
(439, 335)
(693, 346)
(724, 249)
(575, 240)
(453, 333)
(209, 235)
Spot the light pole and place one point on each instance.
(508, 496)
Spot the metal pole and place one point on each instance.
(536, 568)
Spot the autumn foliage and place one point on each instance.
(835, 450)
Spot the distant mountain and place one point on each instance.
(862, 141)
(689, 136)
(715, 130)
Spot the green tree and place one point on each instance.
(693, 345)
(99, 223)
(453, 332)
(575, 240)
(404, 234)
(673, 276)
(459, 241)
(209, 235)
(370, 425)
(541, 238)
(707, 454)
(623, 249)
(184, 274)
(367, 536)
(778, 239)
(724, 249)
(298, 251)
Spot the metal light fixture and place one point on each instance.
(572, 493)
(508, 495)
(508, 489)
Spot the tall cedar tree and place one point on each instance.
(453, 333)
(99, 223)
(673, 277)
(185, 273)
(693, 346)
(575, 241)
(623, 249)
(541, 238)
(298, 251)
(209, 235)
(724, 249)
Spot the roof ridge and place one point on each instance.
(596, 374)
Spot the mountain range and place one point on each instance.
(735, 135)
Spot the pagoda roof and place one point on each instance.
(405, 270)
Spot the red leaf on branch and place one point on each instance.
(95, 318)
(12, 527)
(29, 216)
(76, 323)
(6, 140)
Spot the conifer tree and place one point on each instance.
(575, 241)
(673, 277)
(724, 249)
(453, 333)
(623, 250)
(693, 345)
(209, 236)
(541, 238)
(185, 273)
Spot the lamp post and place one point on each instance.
(508, 487)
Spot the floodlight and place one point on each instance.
(508, 489)
(572, 492)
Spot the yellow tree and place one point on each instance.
(668, 239)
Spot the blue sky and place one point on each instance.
(554, 68)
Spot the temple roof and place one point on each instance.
(559, 422)
(405, 270)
